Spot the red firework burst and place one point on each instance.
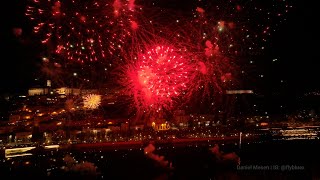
(210, 62)
(83, 30)
(157, 78)
(210, 77)
(211, 45)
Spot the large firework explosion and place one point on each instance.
(83, 30)
(215, 37)
(156, 78)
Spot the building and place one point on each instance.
(38, 91)
(67, 91)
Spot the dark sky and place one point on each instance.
(295, 45)
(17, 53)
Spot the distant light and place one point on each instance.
(49, 83)
(45, 59)
(52, 147)
(14, 152)
(239, 92)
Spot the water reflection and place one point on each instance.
(205, 161)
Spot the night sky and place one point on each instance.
(294, 45)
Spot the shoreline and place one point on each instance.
(142, 144)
